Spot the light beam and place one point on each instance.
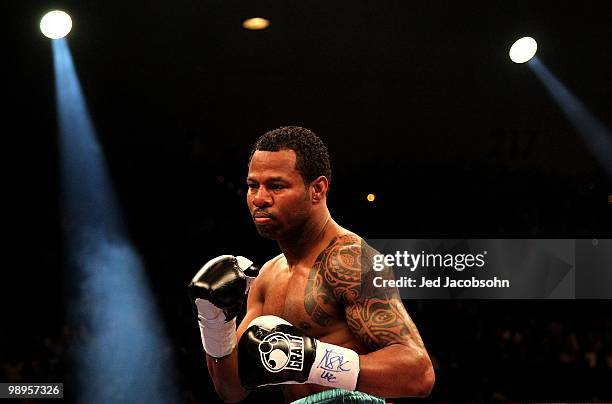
(125, 358)
(596, 135)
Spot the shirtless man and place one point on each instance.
(314, 323)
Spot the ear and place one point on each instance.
(318, 189)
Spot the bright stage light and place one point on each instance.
(55, 24)
(371, 197)
(256, 24)
(523, 50)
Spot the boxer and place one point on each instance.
(315, 325)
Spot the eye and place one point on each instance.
(277, 186)
(252, 185)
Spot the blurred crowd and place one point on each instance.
(483, 351)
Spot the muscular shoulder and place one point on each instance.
(271, 264)
(345, 253)
(343, 266)
(265, 272)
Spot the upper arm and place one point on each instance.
(375, 315)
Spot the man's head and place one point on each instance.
(289, 175)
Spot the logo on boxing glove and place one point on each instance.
(279, 351)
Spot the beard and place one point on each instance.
(266, 231)
(277, 231)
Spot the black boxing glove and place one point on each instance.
(217, 293)
(272, 351)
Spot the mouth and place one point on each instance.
(261, 218)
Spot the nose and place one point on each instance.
(262, 198)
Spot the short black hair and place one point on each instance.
(312, 156)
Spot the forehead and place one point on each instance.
(273, 164)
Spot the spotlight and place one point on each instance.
(371, 197)
(256, 24)
(55, 24)
(523, 50)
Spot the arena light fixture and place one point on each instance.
(256, 24)
(56, 24)
(523, 49)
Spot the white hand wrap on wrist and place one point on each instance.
(335, 366)
(218, 337)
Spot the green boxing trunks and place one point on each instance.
(339, 396)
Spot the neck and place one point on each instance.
(313, 233)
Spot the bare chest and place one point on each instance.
(300, 298)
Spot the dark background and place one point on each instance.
(418, 103)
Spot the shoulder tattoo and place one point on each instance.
(342, 274)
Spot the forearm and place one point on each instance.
(396, 371)
(217, 292)
(224, 374)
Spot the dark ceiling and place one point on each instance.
(417, 101)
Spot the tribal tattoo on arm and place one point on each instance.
(343, 274)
